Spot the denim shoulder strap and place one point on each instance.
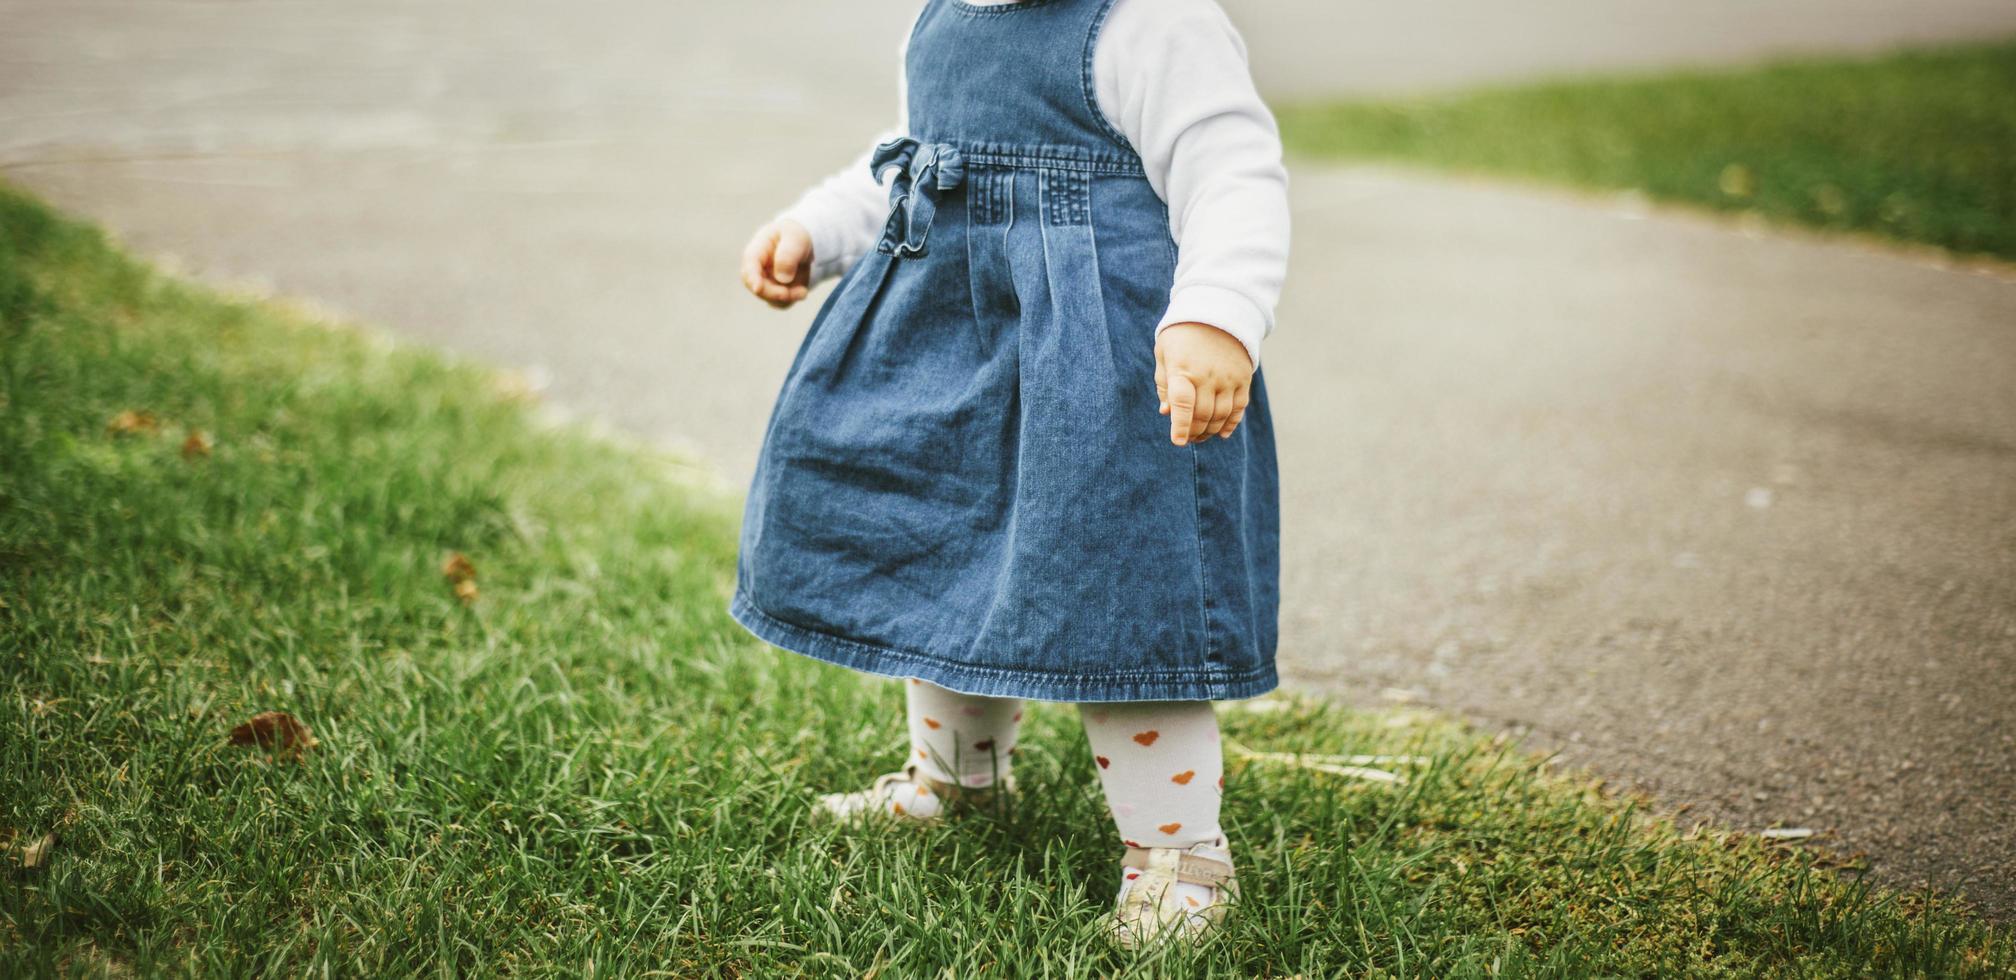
(1011, 76)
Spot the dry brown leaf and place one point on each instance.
(131, 422)
(461, 573)
(33, 853)
(198, 444)
(275, 730)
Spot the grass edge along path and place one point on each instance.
(560, 757)
(1916, 146)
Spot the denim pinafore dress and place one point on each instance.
(965, 477)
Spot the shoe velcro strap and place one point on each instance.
(1193, 869)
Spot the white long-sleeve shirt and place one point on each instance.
(1171, 76)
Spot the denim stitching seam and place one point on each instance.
(1211, 655)
(1089, 85)
(988, 10)
(1040, 161)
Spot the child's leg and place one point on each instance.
(961, 738)
(1162, 765)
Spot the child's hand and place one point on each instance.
(777, 263)
(1202, 377)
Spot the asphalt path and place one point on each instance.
(1723, 514)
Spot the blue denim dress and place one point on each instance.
(965, 477)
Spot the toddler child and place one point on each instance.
(967, 480)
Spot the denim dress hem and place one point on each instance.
(1111, 685)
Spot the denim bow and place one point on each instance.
(924, 170)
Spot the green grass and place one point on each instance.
(1919, 146)
(591, 770)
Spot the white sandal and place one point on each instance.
(909, 795)
(1151, 908)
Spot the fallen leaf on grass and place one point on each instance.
(130, 422)
(198, 444)
(275, 730)
(33, 853)
(461, 573)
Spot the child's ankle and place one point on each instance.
(977, 789)
(976, 780)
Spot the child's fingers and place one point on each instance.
(1221, 412)
(756, 254)
(755, 274)
(781, 296)
(761, 276)
(1182, 402)
(1200, 420)
(1240, 398)
(1220, 408)
(787, 258)
(1161, 383)
(777, 295)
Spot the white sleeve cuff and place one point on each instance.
(1227, 309)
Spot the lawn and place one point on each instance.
(1918, 146)
(560, 757)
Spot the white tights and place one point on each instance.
(1160, 761)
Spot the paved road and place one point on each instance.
(1729, 516)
